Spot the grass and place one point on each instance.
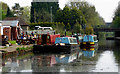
(24, 48)
(12, 42)
(3, 47)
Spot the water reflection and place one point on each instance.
(106, 62)
(17, 64)
(93, 60)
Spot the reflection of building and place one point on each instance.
(14, 65)
(10, 28)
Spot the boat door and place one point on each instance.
(44, 39)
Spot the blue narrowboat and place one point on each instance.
(79, 38)
(89, 41)
(66, 44)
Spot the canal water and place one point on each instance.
(103, 59)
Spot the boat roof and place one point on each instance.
(68, 37)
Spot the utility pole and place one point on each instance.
(51, 13)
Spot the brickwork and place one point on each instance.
(7, 32)
(14, 33)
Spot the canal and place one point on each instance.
(103, 59)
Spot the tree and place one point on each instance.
(116, 19)
(68, 27)
(92, 17)
(43, 16)
(89, 30)
(48, 7)
(3, 10)
(9, 13)
(70, 15)
(26, 14)
(77, 28)
(17, 10)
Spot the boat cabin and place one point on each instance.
(66, 40)
(47, 39)
(90, 38)
(79, 38)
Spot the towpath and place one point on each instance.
(13, 47)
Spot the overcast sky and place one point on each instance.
(105, 8)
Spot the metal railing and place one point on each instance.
(40, 32)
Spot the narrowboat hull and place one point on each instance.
(54, 48)
(88, 45)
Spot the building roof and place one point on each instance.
(10, 23)
(21, 21)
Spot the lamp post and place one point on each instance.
(51, 13)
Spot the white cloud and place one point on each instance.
(105, 8)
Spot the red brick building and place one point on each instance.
(11, 29)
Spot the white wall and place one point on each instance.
(1, 28)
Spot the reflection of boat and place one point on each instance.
(66, 58)
(89, 41)
(89, 52)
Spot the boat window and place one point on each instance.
(95, 38)
(47, 29)
(73, 40)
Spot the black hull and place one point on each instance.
(54, 48)
(88, 46)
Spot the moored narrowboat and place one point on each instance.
(89, 41)
(66, 44)
(55, 44)
(45, 43)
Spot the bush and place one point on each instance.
(12, 42)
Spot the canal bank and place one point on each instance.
(13, 47)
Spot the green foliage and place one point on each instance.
(3, 10)
(44, 10)
(89, 30)
(68, 26)
(92, 17)
(77, 28)
(68, 33)
(24, 48)
(116, 22)
(70, 15)
(17, 10)
(12, 42)
(116, 19)
(42, 16)
(26, 14)
(9, 13)
(57, 26)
